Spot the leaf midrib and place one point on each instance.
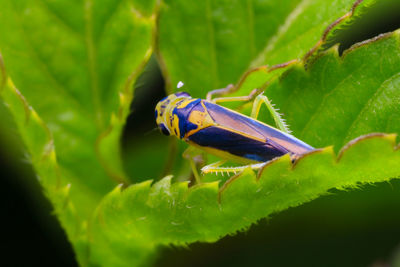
(326, 96)
(270, 44)
(60, 19)
(250, 24)
(378, 92)
(210, 28)
(92, 64)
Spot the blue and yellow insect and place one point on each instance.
(226, 133)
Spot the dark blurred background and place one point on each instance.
(352, 228)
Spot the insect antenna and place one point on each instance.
(150, 131)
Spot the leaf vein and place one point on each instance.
(60, 19)
(250, 14)
(321, 104)
(259, 60)
(45, 68)
(368, 104)
(212, 46)
(92, 64)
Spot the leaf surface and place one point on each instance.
(68, 88)
(217, 41)
(171, 213)
(74, 62)
(339, 99)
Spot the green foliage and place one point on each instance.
(222, 39)
(343, 98)
(68, 88)
(75, 64)
(175, 214)
(168, 213)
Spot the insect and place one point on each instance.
(226, 133)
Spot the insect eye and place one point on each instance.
(163, 129)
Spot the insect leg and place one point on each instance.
(215, 168)
(188, 154)
(233, 88)
(222, 91)
(246, 98)
(279, 121)
(259, 100)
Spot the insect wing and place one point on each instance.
(256, 130)
(236, 144)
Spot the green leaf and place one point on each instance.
(75, 64)
(69, 69)
(186, 53)
(172, 213)
(216, 41)
(338, 99)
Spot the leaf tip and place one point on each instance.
(214, 186)
(285, 159)
(65, 191)
(117, 190)
(162, 186)
(325, 150)
(164, 182)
